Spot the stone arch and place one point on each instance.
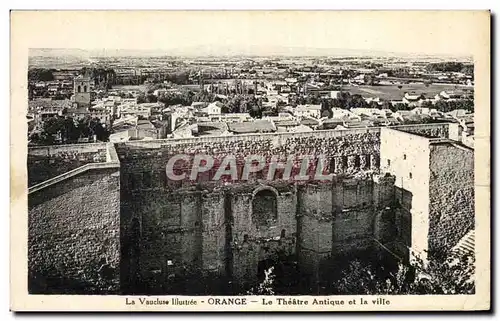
(263, 188)
(264, 205)
(85, 89)
(79, 88)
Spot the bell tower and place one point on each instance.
(81, 91)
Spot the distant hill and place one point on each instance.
(65, 58)
(220, 50)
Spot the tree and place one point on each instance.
(468, 69)
(400, 106)
(326, 114)
(450, 66)
(66, 131)
(386, 104)
(184, 98)
(255, 111)
(40, 74)
(204, 97)
(313, 99)
(141, 98)
(55, 130)
(266, 287)
(427, 104)
(370, 79)
(451, 275)
(374, 105)
(150, 98)
(89, 127)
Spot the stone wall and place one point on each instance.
(314, 243)
(74, 235)
(201, 232)
(426, 130)
(451, 212)
(252, 242)
(343, 218)
(45, 162)
(214, 234)
(350, 152)
(406, 156)
(171, 231)
(170, 240)
(228, 240)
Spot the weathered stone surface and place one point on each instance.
(451, 192)
(74, 235)
(46, 162)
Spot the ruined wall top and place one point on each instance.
(439, 128)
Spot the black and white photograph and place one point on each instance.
(215, 160)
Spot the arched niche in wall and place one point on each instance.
(264, 206)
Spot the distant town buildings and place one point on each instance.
(189, 98)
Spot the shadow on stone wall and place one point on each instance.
(103, 282)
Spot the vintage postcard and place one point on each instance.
(250, 160)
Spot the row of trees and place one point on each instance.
(40, 74)
(451, 66)
(348, 101)
(104, 78)
(249, 103)
(237, 103)
(447, 106)
(66, 130)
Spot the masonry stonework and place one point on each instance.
(451, 194)
(74, 235)
(162, 231)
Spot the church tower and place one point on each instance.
(81, 91)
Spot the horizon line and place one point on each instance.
(128, 52)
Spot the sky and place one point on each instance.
(213, 32)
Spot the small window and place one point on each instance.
(357, 161)
(388, 162)
(404, 156)
(332, 165)
(411, 176)
(368, 161)
(344, 162)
